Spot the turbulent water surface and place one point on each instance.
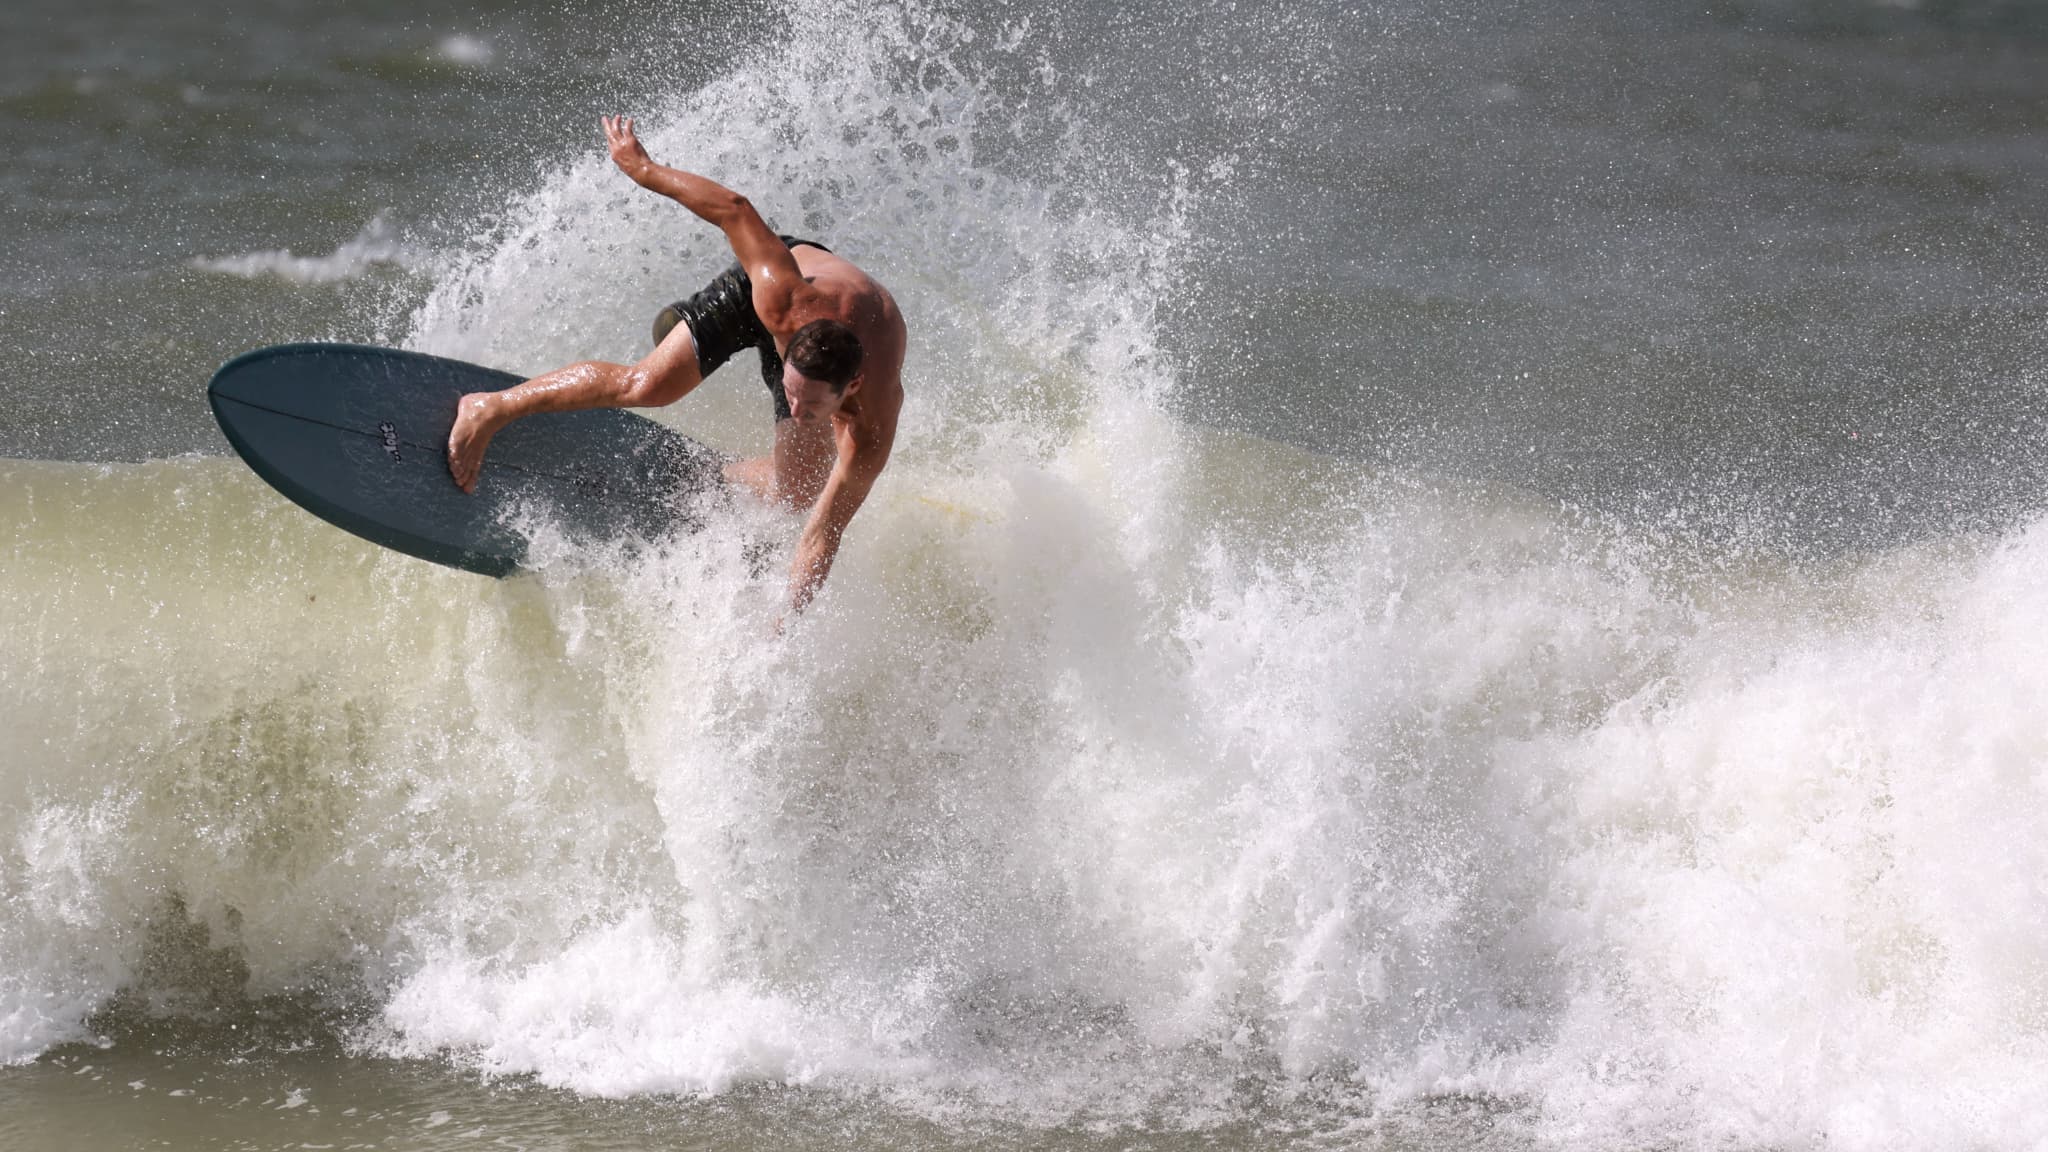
(1453, 576)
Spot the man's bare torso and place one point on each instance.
(863, 429)
(858, 301)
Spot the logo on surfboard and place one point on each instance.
(390, 435)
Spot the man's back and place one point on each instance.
(860, 302)
(863, 427)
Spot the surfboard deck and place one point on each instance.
(357, 435)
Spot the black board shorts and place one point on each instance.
(722, 321)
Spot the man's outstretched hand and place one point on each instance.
(627, 152)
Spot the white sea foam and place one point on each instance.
(1121, 772)
(377, 245)
(470, 51)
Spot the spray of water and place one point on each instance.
(1123, 771)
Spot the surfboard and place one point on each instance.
(358, 435)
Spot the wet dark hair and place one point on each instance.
(825, 350)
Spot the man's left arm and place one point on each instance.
(851, 480)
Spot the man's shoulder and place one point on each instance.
(834, 274)
(873, 430)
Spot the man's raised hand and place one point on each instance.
(627, 152)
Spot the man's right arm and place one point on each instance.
(853, 477)
(761, 252)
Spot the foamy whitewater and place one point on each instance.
(1124, 774)
(376, 246)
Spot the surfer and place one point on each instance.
(831, 342)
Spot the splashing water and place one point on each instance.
(1124, 771)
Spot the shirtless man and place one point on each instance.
(831, 342)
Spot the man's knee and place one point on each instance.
(667, 374)
(654, 382)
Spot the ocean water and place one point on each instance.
(1454, 576)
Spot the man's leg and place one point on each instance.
(804, 454)
(796, 472)
(756, 474)
(667, 375)
(801, 460)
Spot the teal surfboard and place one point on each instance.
(358, 436)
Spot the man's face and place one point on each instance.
(810, 401)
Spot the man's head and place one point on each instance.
(820, 361)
